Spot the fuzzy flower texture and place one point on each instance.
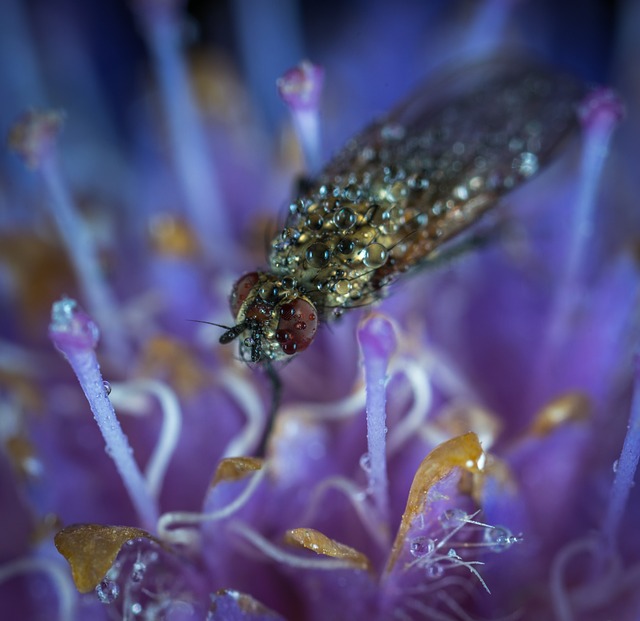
(464, 450)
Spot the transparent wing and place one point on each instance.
(459, 143)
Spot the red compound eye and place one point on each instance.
(297, 326)
(241, 290)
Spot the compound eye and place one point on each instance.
(297, 326)
(241, 290)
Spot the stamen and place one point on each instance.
(17, 359)
(490, 24)
(34, 137)
(559, 596)
(626, 469)
(191, 158)
(377, 342)
(76, 336)
(422, 399)
(280, 556)
(264, 50)
(300, 88)
(246, 396)
(357, 499)
(58, 574)
(334, 410)
(599, 113)
(167, 521)
(17, 41)
(124, 394)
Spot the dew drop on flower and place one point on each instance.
(107, 387)
(452, 518)
(434, 570)
(107, 591)
(136, 608)
(365, 462)
(500, 538)
(137, 571)
(615, 466)
(422, 546)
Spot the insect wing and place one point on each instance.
(451, 149)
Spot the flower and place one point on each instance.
(464, 451)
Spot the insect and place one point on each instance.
(396, 193)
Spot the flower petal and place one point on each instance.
(462, 452)
(91, 549)
(311, 539)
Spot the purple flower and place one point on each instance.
(465, 451)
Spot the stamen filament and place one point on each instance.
(191, 158)
(76, 336)
(121, 394)
(280, 556)
(58, 574)
(300, 89)
(600, 114)
(34, 138)
(168, 520)
(625, 471)
(377, 342)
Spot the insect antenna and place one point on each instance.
(210, 323)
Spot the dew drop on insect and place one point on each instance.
(345, 246)
(318, 255)
(344, 218)
(107, 591)
(342, 287)
(421, 546)
(314, 221)
(526, 164)
(352, 193)
(375, 255)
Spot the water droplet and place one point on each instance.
(526, 164)
(461, 193)
(375, 255)
(365, 462)
(352, 193)
(434, 570)
(422, 546)
(345, 218)
(107, 387)
(392, 132)
(136, 608)
(318, 254)
(107, 591)
(315, 221)
(342, 287)
(500, 538)
(345, 246)
(616, 463)
(452, 518)
(137, 571)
